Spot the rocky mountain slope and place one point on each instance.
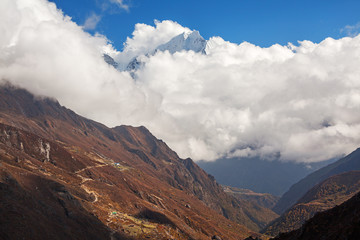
(75, 173)
(325, 195)
(349, 163)
(340, 222)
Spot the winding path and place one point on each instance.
(85, 179)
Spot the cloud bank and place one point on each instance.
(297, 103)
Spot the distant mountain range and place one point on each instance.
(262, 176)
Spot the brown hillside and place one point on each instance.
(348, 163)
(120, 182)
(340, 222)
(328, 194)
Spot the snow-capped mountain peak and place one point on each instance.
(188, 41)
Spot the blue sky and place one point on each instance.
(261, 22)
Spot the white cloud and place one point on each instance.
(91, 22)
(106, 6)
(351, 30)
(301, 103)
(146, 38)
(121, 4)
(50, 55)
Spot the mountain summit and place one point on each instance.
(186, 41)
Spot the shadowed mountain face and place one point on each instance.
(349, 163)
(341, 222)
(325, 195)
(75, 173)
(274, 177)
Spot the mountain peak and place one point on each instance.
(192, 34)
(188, 41)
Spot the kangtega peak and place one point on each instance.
(186, 41)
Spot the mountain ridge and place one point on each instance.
(329, 193)
(296, 191)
